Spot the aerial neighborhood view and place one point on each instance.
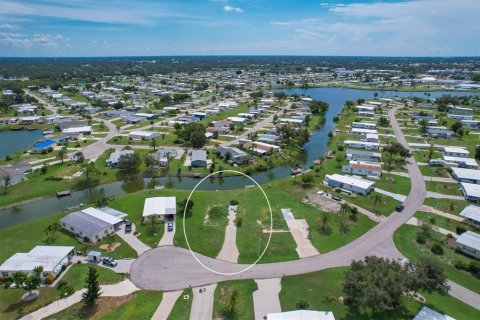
(240, 159)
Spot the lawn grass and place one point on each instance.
(322, 289)
(245, 289)
(77, 275)
(405, 240)
(443, 222)
(444, 188)
(394, 183)
(181, 309)
(447, 205)
(15, 239)
(141, 307)
(434, 171)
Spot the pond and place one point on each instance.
(15, 141)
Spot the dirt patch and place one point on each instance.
(320, 202)
(103, 306)
(110, 248)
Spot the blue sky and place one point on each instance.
(212, 27)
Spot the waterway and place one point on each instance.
(314, 149)
(14, 141)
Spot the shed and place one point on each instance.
(94, 256)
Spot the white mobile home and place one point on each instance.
(350, 183)
(143, 135)
(368, 156)
(469, 243)
(364, 125)
(363, 132)
(362, 145)
(466, 175)
(363, 168)
(455, 152)
(471, 213)
(160, 207)
(470, 191)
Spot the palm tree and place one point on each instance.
(153, 144)
(55, 228)
(152, 222)
(7, 179)
(62, 154)
(376, 199)
(344, 208)
(118, 129)
(48, 230)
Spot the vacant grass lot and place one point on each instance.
(141, 307)
(444, 188)
(443, 222)
(434, 171)
(405, 240)
(323, 289)
(447, 205)
(245, 289)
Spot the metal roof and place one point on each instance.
(470, 174)
(159, 206)
(301, 315)
(428, 314)
(49, 257)
(85, 223)
(471, 212)
(470, 239)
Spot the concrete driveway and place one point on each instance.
(265, 299)
(132, 240)
(202, 303)
(229, 251)
(299, 229)
(167, 238)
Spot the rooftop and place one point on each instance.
(471, 212)
(46, 256)
(159, 206)
(470, 239)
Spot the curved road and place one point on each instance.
(172, 268)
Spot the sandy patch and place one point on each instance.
(111, 247)
(320, 202)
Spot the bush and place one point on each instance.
(302, 304)
(53, 178)
(421, 238)
(234, 202)
(65, 289)
(474, 267)
(238, 221)
(460, 264)
(432, 220)
(437, 249)
(460, 229)
(49, 279)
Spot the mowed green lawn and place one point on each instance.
(245, 289)
(405, 240)
(323, 289)
(443, 222)
(141, 307)
(11, 305)
(444, 188)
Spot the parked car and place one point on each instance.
(170, 226)
(109, 262)
(399, 208)
(128, 226)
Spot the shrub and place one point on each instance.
(302, 304)
(437, 249)
(474, 267)
(460, 264)
(53, 178)
(238, 221)
(234, 202)
(421, 238)
(65, 289)
(432, 220)
(49, 278)
(460, 229)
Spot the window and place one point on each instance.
(71, 228)
(5, 274)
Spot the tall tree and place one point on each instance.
(423, 126)
(376, 200)
(7, 179)
(153, 144)
(93, 288)
(79, 157)
(129, 162)
(62, 154)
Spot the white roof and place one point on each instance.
(291, 120)
(468, 161)
(463, 173)
(471, 212)
(77, 129)
(108, 218)
(301, 315)
(159, 206)
(49, 257)
(351, 180)
(363, 130)
(455, 150)
(470, 239)
(237, 119)
(143, 133)
(147, 115)
(365, 143)
(471, 189)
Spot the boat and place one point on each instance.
(63, 193)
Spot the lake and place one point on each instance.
(14, 141)
(314, 149)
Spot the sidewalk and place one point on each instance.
(113, 290)
(415, 222)
(395, 196)
(436, 195)
(440, 213)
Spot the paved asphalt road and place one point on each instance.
(172, 268)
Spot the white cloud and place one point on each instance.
(36, 40)
(421, 27)
(233, 9)
(9, 26)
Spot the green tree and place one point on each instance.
(93, 288)
(383, 122)
(153, 144)
(230, 304)
(423, 126)
(376, 200)
(477, 152)
(152, 222)
(91, 176)
(79, 157)
(194, 133)
(129, 162)
(28, 282)
(149, 160)
(62, 154)
(7, 179)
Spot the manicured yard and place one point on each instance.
(77, 274)
(434, 171)
(323, 289)
(447, 205)
(181, 309)
(141, 307)
(14, 239)
(405, 240)
(245, 289)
